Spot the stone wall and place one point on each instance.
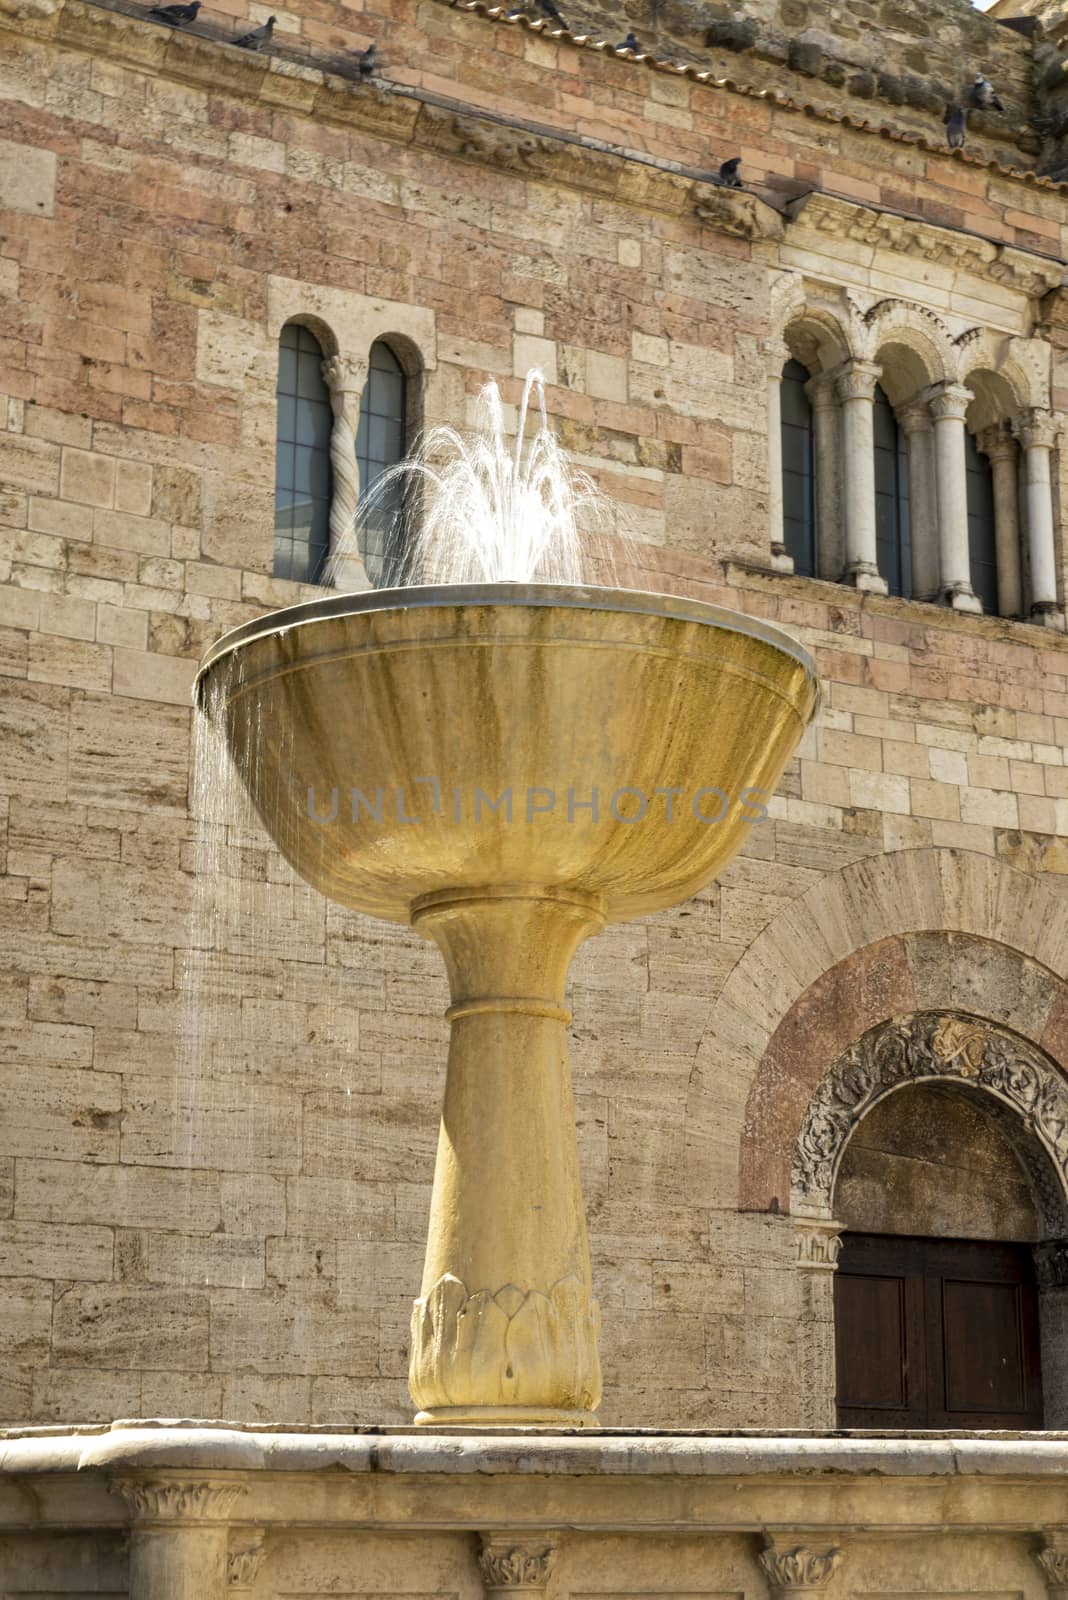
(244, 1239)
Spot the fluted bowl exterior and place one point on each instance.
(411, 742)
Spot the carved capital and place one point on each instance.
(1052, 1557)
(794, 1568)
(153, 1500)
(821, 391)
(819, 1243)
(857, 380)
(505, 1347)
(776, 353)
(949, 402)
(915, 418)
(997, 444)
(515, 1561)
(344, 375)
(245, 1557)
(1037, 429)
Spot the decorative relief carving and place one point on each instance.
(937, 1045)
(344, 375)
(514, 1561)
(791, 1567)
(178, 1500)
(498, 145)
(245, 1557)
(1051, 1263)
(1052, 1557)
(520, 1344)
(739, 214)
(997, 443)
(1016, 269)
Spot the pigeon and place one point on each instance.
(630, 43)
(258, 36)
(367, 60)
(730, 174)
(955, 120)
(177, 16)
(982, 94)
(550, 10)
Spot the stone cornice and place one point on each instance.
(831, 217)
(396, 113)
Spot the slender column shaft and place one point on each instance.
(856, 391)
(506, 1327)
(948, 405)
(916, 423)
(1038, 431)
(181, 1563)
(826, 450)
(345, 379)
(1000, 449)
(777, 354)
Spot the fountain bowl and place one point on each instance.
(378, 733)
(622, 745)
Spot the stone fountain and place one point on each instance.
(508, 767)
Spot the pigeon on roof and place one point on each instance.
(630, 43)
(955, 120)
(550, 10)
(982, 94)
(367, 60)
(730, 173)
(177, 16)
(257, 38)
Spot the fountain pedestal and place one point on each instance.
(505, 1329)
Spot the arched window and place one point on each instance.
(380, 443)
(892, 531)
(982, 552)
(798, 475)
(303, 479)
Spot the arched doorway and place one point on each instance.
(938, 1143)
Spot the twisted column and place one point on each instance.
(855, 388)
(826, 449)
(777, 354)
(917, 424)
(179, 1535)
(345, 379)
(948, 403)
(1038, 432)
(1001, 451)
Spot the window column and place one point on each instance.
(1038, 431)
(916, 423)
(776, 354)
(949, 402)
(345, 377)
(826, 443)
(1000, 449)
(855, 388)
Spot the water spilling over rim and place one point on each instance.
(580, 597)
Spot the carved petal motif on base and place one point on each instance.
(509, 1347)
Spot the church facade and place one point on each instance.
(823, 1112)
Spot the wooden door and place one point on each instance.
(936, 1333)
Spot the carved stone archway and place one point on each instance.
(1023, 1092)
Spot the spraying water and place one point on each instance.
(484, 509)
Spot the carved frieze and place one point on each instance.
(734, 212)
(947, 1046)
(515, 1561)
(819, 1243)
(179, 1499)
(1052, 1557)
